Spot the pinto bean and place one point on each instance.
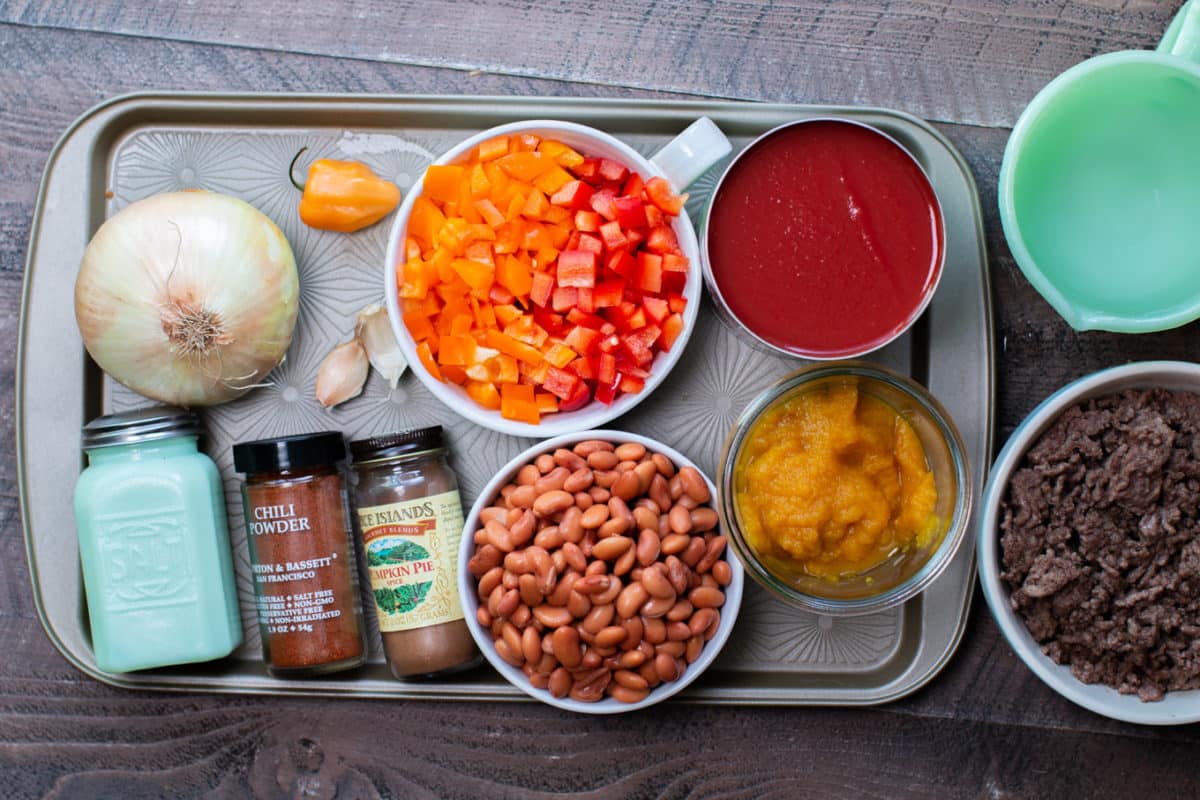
(559, 683)
(565, 643)
(589, 446)
(694, 551)
(694, 485)
(631, 599)
(722, 572)
(595, 516)
(704, 519)
(579, 481)
(680, 519)
(664, 465)
(626, 486)
(612, 547)
(552, 502)
(706, 597)
(485, 559)
(523, 497)
(712, 552)
(569, 459)
(648, 546)
(630, 451)
(603, 459)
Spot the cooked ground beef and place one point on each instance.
(1100, 545)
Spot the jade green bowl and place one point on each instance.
(1100, 187)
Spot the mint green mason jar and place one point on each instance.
(154, 543)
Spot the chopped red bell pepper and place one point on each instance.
(575, 195)
(622, 263)
(577, 317)
(553, 323)
(610, 170)
(582, 339)
(658, 192)
(560, 383)
(631, 384)
(588, 221)
(604, 203)
(649, 272)
(675, 262)
(662, 240)
(657, 308)
(585, 368)
(673, 282)
(608, 293)
(564, 298)
(588, 170)
(591, 244)
(542, 287)
(672, 327)
(606, 368)
(579, 398)
(631, 212)
(633, 187)
(576, 268)
(607, 392)
(613, 237)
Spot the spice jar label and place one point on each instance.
(304, 572)
(412, 552)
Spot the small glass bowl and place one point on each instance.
(905, 572)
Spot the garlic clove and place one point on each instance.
(374, 330)
(342, 373)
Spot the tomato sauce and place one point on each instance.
(825, 239)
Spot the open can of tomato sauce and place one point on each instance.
(824, 239)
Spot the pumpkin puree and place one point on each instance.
(833, 482)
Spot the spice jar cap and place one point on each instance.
(398, 444)
(141, 425)
(302, 451)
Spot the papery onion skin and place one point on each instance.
(188, 297)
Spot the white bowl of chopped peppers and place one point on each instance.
(543, 276)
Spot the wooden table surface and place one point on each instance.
(986, 727)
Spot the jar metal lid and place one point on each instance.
(403, 443)
(303, 451)
(141, 425)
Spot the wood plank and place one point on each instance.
(968, 61)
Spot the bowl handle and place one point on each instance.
(691, 153)
(1182, 38)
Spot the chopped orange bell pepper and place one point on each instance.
(428, 362)
(442, 182)
(517, 403)
(484, 393)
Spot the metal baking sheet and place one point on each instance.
(135, 146)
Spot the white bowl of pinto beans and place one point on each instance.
(594, 575)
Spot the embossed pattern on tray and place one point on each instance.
(339, 274)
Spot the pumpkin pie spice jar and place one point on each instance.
(409, 519)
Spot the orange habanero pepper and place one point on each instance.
(344, 196)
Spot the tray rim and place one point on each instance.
(168, 99)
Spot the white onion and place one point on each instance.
(188, 297)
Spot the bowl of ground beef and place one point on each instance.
(1089, 542)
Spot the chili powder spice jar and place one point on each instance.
(154, 543)
(298, 531)
(410, 520)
